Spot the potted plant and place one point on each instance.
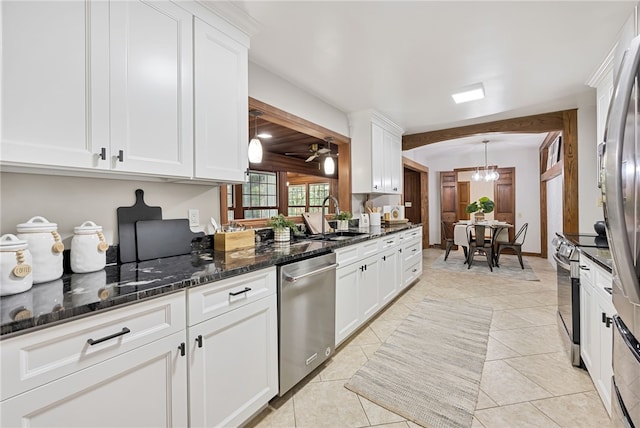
(480, 207)
(282, 227)
(342, 220)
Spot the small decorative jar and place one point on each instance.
(15, 265)
(282, 234)
(46, 248)
(88, 248)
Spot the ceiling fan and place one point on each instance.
(314, 150)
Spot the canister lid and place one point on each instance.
(86, 228)
(11, 242)
(37, 224)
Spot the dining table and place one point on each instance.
(498, 231)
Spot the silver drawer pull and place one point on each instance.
(124, 331)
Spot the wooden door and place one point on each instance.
(412, 196)
(504, 194)
(448, 198)
(464, 199)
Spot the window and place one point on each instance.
(230, 204)
(307, 197)
(259, 195)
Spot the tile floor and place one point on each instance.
(527, 379)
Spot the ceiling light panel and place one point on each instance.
(469, 93)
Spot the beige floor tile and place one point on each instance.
(369, 350)
(280, 415)
(538, 316)
(553, 372)
(484, 402)
(397, 311)
(522, 415)
(498, 351)
(365, 337)
(505, 385)
(476, 423)
(531, 340)
(394, 425)
(328, 404)
(344, 364)
(384, 328)
(508, 319)
(583, 410)
(378, 415)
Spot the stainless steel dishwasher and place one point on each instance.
(306, 317)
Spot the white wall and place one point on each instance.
(589, 194)
(69, 201)
(527, 192)
(274, 90)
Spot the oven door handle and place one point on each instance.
(561, 263)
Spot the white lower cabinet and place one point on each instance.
(233, 355)
(596, 327)
(370, 275)
(140, 365)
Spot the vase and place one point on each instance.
(281, 235)
(343, 225)
(479, 216)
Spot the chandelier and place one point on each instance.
(486, 174)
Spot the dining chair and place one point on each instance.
(447, 235)
(515, 245)
(478, 243)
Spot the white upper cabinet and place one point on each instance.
(46, 89)
(109, 86)
(151, 88)
(221, 110)
(376, 153)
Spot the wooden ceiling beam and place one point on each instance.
(537, 123)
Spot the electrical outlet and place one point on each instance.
(194, 217)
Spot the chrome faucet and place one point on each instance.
(335, 201)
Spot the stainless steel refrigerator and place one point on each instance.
(620, 182)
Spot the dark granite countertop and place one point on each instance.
(77, 295)
(594, 247)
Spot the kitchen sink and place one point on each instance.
(336, 236)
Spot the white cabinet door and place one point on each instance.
(605, 310)
(395, 165)
(368, 288)
(143, 387)
(377, 159)
(587, 315)
(221, 105)
(347, 314)
(233, 364)
(151, 88)
(390, 279)
(48, 48)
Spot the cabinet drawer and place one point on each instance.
(587, 270)
(36, 358)
(369, 248)
(412, 251)
(389, 241)
(347, 255)
(214, 299)
(412, 272)
(412, 234)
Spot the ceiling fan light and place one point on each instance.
(255, 150)
(329, 165)
(264, 135)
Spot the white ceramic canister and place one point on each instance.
(46, 248)
(88, 248)
(15, 265)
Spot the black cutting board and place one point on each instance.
(163, 238)
(127, 217)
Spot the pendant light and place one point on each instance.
(329, 163)
(486, 174)
(255, 146)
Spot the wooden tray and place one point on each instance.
(229, 241)
(397, 221)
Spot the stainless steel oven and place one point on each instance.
(568, 283)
